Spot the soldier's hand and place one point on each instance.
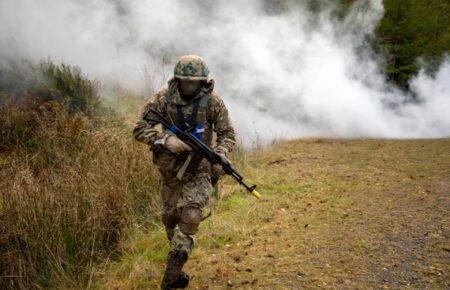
(217, 168)
(175, 145)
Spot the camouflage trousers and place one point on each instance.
(183, 208)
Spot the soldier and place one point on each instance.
(189, 100)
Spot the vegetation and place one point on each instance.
(35, 97)
(346, 214)
(79, 203)
(72, 181)
(413, 33)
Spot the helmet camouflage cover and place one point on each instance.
(191, 67)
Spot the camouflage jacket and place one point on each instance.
(213, 114)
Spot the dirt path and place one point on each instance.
(358, 214)
(340, 214)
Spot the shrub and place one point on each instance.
(30, 94)
(71, 181)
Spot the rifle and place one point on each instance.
(196, 144)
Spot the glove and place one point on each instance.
(173, 144)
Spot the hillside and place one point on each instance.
(79, 206)
(336, 213)
(80, 197)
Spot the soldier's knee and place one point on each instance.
(169, 219)
(190, 220)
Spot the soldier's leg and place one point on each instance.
(170, 195)
(195, 196)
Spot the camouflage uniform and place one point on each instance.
(184, 200)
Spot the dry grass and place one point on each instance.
(72, 183)
(335, 214)
(338, 214)
(57, 222)
(79, 204)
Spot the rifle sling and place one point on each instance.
(183, 122)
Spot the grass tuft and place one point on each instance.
(72, 180)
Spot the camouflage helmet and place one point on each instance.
(191, 67)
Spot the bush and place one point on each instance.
(71, 181)
(41, 93)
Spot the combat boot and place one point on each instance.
(174, 277)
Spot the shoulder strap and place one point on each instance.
(204, 100)
(193, 118)
(196, 159)
(192, 121)
(168, 96)
(181, 121)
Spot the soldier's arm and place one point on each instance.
(147, 132)
(223, 127)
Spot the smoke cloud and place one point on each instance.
(283, 74)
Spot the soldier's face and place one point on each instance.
(190, 87)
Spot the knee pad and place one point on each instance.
(190, 220)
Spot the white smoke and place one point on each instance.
(282, 75)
